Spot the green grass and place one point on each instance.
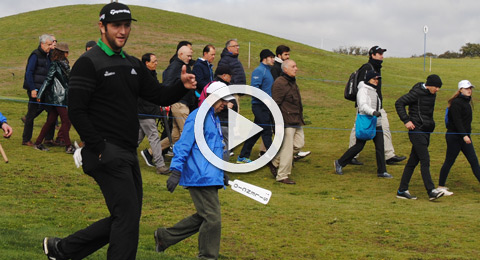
(324, 216)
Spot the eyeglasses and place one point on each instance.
(235, 46)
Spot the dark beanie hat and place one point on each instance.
(434, 81)
(265, 54)
(90, 44)
(371, 74)
(221, 70)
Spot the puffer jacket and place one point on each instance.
(460, 115)
(195, 169)
(368, 101)
(421, 104)
(49, 92)
(286, 94)
(229, 60)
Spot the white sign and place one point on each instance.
(425, 29)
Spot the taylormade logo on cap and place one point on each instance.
(114, 12)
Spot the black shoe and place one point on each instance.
(40, 147)
(385, 175)
(148, 157)
(435, 194)
(159, 245)
(395, 159)
(338, 168)
(51, 250)
(405, 195)
(354, 161)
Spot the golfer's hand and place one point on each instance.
(188, 79)
(7, 130)
(409, 125)
(376, 113)
(34, 94)
(77, 157)
(467, 139)
(226, 178)
(173, 181)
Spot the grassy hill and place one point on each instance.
(324, 216)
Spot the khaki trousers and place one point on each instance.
(293, 141)
(180, 113)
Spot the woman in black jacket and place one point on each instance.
(458, 133)
(54, 91)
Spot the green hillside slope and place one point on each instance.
(324, 216)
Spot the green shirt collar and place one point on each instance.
(107, 49)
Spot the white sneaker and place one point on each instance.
(445, 191)
(300, 155)
(304, 154)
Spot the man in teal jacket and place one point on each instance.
(192, 170)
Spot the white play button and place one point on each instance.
(240, 129)
(237, 134)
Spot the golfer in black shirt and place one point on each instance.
(104, 86)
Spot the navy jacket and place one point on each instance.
(203, 73)
(229, 60)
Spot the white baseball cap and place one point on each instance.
(216, 86)
(465, 84)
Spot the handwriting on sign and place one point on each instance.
(250, 192)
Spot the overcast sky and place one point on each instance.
(328, 24)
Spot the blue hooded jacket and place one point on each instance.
(262, 78)
(195, 169)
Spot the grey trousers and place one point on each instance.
(387, 137)
(148, 127)
(207, 221)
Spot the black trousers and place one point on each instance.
(34, 110)
(264, 119)
(455, 144)
(358, 147)
(119, 178)
(419, 153)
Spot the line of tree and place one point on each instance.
(467, 50)
(352, 50)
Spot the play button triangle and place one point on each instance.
(240, 129)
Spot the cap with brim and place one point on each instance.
(61, 46)
(371, 74)
(115, 12)
(216, 86)
(376, 49)
(465, 84)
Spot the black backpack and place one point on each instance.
(351, 88)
